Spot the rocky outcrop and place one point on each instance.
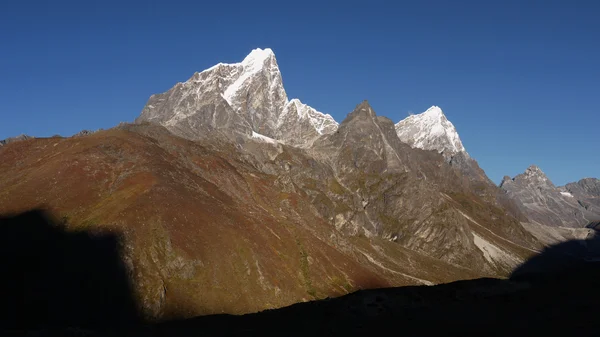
(14, 139)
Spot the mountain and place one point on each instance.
(239, 98)
(587, 193)
(431, 130)
(217, 225)
(549, 205)
(230, 198)
(414, 198)
(204, 228)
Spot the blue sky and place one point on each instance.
(519, 79)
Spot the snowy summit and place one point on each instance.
(246, 97)
(430, 130)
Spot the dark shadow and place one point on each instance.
(563, 258)
(53, 278)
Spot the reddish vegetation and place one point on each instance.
(205, 231)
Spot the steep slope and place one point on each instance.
(238, 98)
(431, 130)
(206, 230)
(414, 198)
(545, 203)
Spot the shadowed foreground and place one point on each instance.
(74, 284)
(53, 278)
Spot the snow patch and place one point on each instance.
(263, 138)
(567, 194)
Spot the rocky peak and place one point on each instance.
(534, 170)
(239, 98)
(364, 141)
(534, 174)
(430, 130)
(362, 111)
(547, 204)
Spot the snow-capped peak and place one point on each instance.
(256, 59)
(246, 97)
(434, 111)
(430, 130)
(254, 63)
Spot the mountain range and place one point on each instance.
(232, 198)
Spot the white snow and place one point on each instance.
(263, 138)
(430, 130)
(567, 194)
(252, 64)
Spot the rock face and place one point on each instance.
(238, 98)
(411, 196)
(587, 193)
(547, 204)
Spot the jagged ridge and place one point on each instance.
(243, 97)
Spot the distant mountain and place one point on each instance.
(431, 130)
(14, 139)
(549, 205)
(587, 193)
(239, 98)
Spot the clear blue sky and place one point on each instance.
(519, 79)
